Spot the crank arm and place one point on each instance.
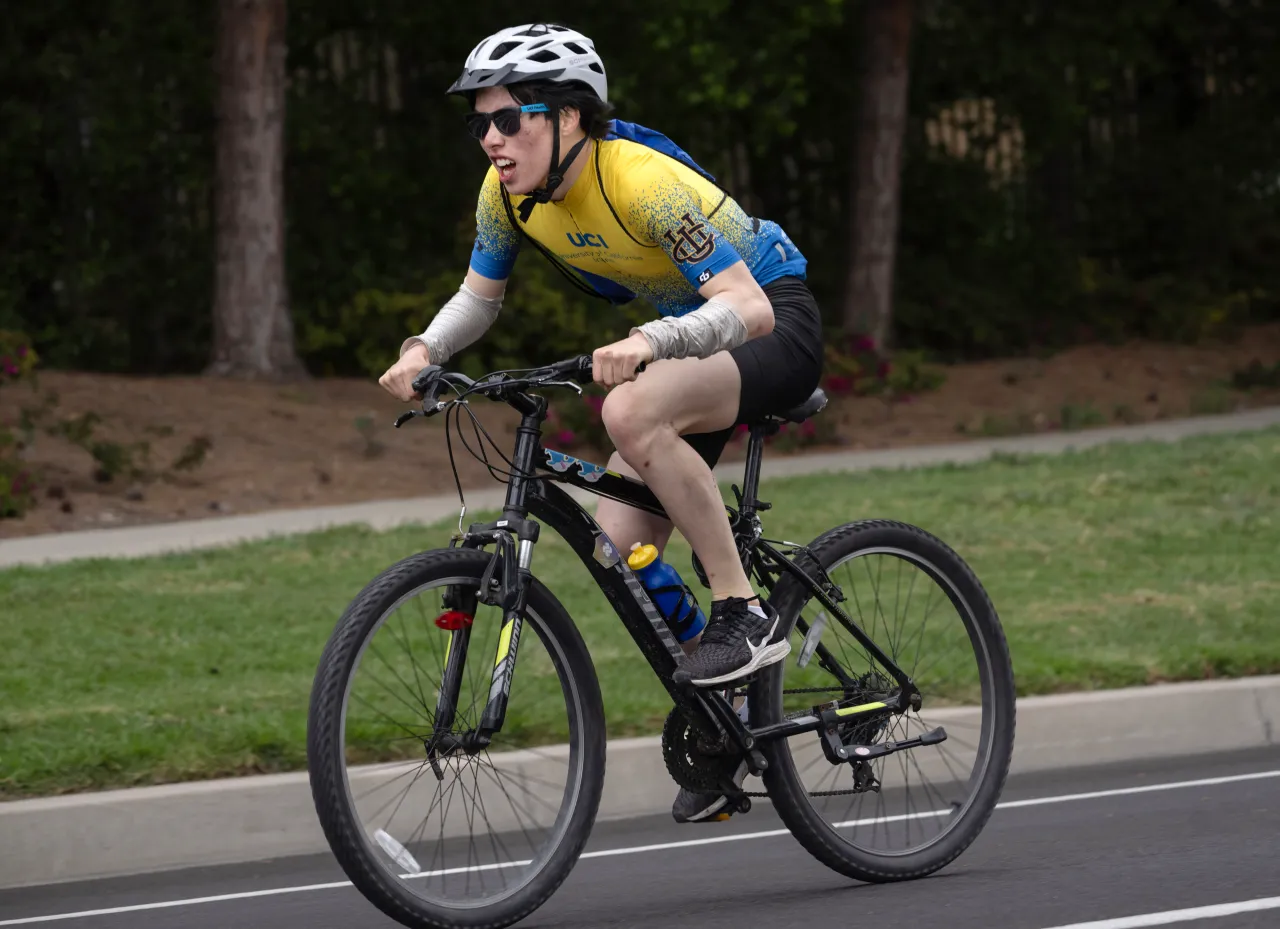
(723, 712)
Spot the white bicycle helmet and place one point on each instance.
(534, 51)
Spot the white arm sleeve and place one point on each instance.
(712, 327)
(466, 317)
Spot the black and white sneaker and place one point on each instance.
(694, 807)
(735, 643)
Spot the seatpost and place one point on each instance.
(751, 479)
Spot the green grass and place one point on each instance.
(1113, 566)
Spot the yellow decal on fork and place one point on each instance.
(504, 642)
(861, 708)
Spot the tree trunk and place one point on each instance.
(868, 307)
(252, 331)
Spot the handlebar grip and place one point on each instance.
(582, 371)
(579, 368)
(427, 377)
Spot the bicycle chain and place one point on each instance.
(820, 793)
(811, 690)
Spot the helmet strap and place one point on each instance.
(558, 168)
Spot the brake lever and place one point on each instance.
(404, 417)
(410, 413)
(573, 384)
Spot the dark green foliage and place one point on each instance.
(1137, 193)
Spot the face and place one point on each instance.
(523, 159)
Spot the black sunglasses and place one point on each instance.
(506, 119)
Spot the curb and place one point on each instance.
(174, 826)
(159, 538)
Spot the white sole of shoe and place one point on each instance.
(714, 808)
(766, 656)
(720, 802)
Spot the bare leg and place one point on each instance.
(625, 525)
(645, 418)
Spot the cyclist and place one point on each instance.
(624, 213)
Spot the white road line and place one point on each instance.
(1179, 916)
(171, 903)
(770, 833)
(1149, 788)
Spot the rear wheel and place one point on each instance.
(466, 835)
(909, 813)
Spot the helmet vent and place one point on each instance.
(504, 49)
(575, 47)
(544, 57)
(596, 68)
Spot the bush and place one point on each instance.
(576, 423)
(17, 480)
(543, 319)
(111, 459)
(1256, 375)
(853, 366)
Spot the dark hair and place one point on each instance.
(594, 114)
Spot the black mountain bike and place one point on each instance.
(457, 761)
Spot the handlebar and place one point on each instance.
(433, 380)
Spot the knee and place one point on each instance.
(628, 418)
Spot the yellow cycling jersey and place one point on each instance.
(636, 222)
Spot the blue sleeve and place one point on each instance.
(671, 215)
(494, 253)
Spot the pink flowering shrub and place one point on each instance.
(574, 423)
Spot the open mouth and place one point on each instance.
(506, 168)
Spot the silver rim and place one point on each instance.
(925, 792)
(422, 831)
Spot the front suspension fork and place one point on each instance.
(505, 583)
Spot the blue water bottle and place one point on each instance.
(674, 600)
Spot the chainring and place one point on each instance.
(692, 765)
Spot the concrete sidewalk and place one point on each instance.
(135, 541)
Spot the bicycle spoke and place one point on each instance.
(497, 810)
(923, 633)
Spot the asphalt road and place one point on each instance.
(1048, 858)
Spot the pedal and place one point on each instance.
(737, 799)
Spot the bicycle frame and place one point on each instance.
(532, 490)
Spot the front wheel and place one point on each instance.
(433, 827)
(906, 814)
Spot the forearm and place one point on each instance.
(713, 327)
(461, 321)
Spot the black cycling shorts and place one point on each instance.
(779, 370)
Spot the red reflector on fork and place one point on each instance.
(454, 620)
